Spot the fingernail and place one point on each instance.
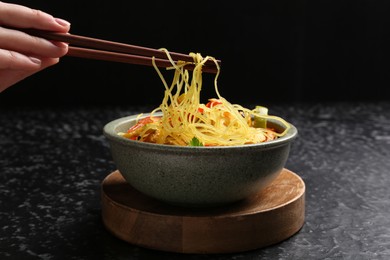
(61, 44)
(62, 22)
(35, 60)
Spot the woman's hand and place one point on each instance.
(22, 55)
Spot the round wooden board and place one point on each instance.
(269, 217)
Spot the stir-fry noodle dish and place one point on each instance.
(183, 120)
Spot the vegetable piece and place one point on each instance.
(195, 142)
(135, 130)
(260, 122)
(140, 123)
(213, 102)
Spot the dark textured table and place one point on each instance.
(53, 160)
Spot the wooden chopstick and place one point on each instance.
(92, 48)
(126, 58)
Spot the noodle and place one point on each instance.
(185, 120)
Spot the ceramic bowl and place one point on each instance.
(197, 176)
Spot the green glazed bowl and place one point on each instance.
(197, 176)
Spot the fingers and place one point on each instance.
(18, 16)
(17, 48)
(22, 55)
(14, 15)
(17, 41)
(14, 60)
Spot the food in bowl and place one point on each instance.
(199, 155)
(186, 121)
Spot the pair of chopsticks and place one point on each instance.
(98, 49)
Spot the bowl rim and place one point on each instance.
(109, 131)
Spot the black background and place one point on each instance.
(271, 51)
